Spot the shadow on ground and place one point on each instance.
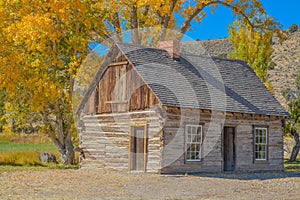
(243, 176)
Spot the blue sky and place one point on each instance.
(215, 26)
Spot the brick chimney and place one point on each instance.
(172, 47)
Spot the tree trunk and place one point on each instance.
(67, 154)
(58, 122)
(296, 147)
(65, 148)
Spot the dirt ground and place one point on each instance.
(79, 184)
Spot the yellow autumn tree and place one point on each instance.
(42, 44)
(254, 46)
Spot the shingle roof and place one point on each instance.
(198, 81)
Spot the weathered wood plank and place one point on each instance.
(118, 63)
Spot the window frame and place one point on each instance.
(266, 144)
(189, 143)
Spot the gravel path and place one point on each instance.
(78, 184)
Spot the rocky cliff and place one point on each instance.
(286, 57)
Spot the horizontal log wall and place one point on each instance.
(245, 145)
(105, 139)
(174, 142)
(212, 151)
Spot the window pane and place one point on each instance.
(199, 138)
(257, 147)
(195, 138)
(263, 140)
(188, 138)
(194, 147)
(193, 130)
(197, 147)
(199, 134)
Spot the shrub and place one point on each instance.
(272, 65)
(293, 28)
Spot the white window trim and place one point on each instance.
(187, 143)
(267, 145)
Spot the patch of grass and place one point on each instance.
(292, 166)
(15, 147)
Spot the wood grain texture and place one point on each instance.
(121, 89)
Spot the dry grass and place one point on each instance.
(23, 138)
(22, 158)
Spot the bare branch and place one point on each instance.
(187, 23)
(117, 26)
(134, 25)
(166, 19)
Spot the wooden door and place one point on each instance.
(138, 148)
(229, 149)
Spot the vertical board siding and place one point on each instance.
(121, 89)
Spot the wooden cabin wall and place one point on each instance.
(173, 153)
(121, 89)
(105, 139)
(245, 145)
(113, 110)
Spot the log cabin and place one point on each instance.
(165, 111)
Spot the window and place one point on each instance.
(261, 143)
(193, 142)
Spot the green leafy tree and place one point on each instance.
(293, 124)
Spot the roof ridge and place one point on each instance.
(138, 45)
(214, 57)
(199, 41)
